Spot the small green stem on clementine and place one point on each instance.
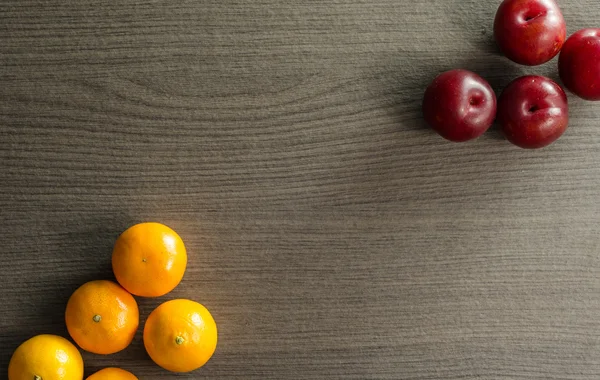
(179, 340)
(36, 377)
(144, 260)
(97, 318)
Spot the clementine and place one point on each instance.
(112, 374)
(180, 335)
(102, 317)
(46, 357)
(149, 259)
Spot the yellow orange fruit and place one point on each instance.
(149, 259)
(102, 317)
(112, 374)
(180, 335)
(46, 357)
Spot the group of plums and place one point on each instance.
(532, 111)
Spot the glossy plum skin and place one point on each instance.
(533, 112)
(579, 64)
(459, 105)
(530, 32)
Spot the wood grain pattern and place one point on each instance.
(331, 234)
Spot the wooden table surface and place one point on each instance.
(331, 234)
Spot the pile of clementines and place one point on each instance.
(102, 317)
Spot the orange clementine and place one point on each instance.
(112, 374)
(149, 259)
(46, 357)
(180, 335)
(102, 317)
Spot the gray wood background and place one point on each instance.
(332, 234)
